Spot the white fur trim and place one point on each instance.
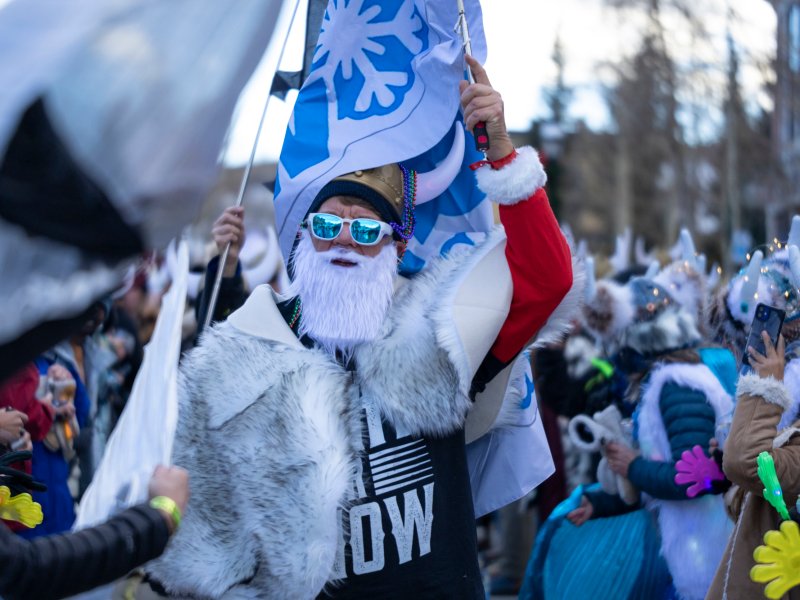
(670, 330)
(686, 285)
(652, 433)
(421, 339)
(515, 182)
(559, 323)
(734, 300)
(609, 312)
(694, 534)
(784, 436)
(769, 389)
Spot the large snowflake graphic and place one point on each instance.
(365, 51)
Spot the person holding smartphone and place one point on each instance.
(762, 399)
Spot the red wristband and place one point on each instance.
(495, 164)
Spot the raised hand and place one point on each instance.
(777, 561)
(480, 102)
(773, 361)
(697, 469)
(229, 228)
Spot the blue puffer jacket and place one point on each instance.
(689, 420)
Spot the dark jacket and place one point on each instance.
(63, 565)
(232, 295)
(689, 420)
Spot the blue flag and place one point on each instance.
(383, 88)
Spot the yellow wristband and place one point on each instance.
(169, 506)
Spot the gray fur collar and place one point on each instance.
(270, 433)
(421, 355)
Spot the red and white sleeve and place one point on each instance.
(537, 252)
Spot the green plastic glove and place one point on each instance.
(772, 487)
(778, 561)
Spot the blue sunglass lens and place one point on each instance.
(326, 227)
(365, 231)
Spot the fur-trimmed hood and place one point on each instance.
(615, 316)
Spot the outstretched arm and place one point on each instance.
(64, 565)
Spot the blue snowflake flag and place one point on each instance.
(383, 88)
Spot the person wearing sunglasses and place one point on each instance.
(327, 427)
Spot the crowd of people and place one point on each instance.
(661, 429)
(342, 437)
(648, 375)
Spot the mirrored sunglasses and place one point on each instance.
(366, 232)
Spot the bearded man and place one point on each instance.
(325, 431)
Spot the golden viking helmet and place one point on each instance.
(381, 187)
(387, 181)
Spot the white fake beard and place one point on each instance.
(342, 307)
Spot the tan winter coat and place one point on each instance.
(759, 408)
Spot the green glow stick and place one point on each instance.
(772, 487)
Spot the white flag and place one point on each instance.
(145, 432)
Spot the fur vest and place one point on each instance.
(693, 532)
(269, 431)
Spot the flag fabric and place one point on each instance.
(457, 216)
(383, 88)
(509, 461)
(144, 434)
(112, 119)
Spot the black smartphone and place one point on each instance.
(769, 319)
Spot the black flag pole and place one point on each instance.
(246, 178)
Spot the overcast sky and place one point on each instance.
(520, 36)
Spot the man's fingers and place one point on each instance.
(478, 72)
(236, 212)
(227, 230)
(229, 220)
(781, 347)
(486, 115)
(477, 90)
(480, 102)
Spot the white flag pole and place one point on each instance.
(246, 177)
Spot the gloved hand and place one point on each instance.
(696, 468)
(777, 561)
